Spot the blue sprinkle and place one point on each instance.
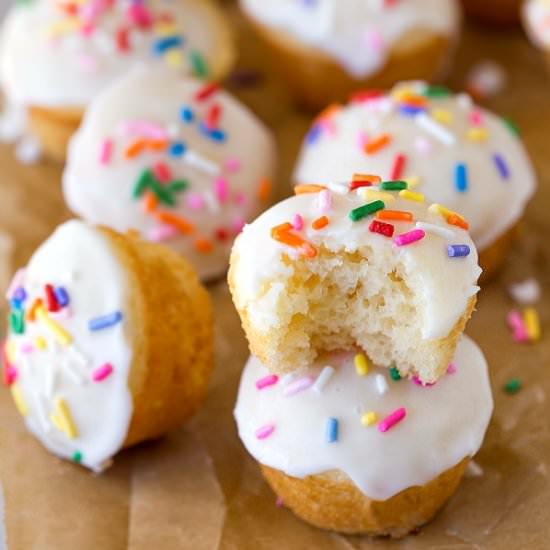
(502, 166)
(61, 296)
(16, 304)
(187, 114)
(458, 250)
(214, 134)
(20, 294)
(461, 178)
(410, 110)
(177, 149)
(314, 134)
(105, 321)
(331, 431)
(164, 44)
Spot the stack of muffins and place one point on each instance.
(354, 298)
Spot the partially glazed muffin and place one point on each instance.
(188, 168)
(110, 342)
(340, 445)
(55, 57)
(369, 264)
(453, 151)
(327, 48)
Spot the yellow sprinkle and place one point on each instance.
(62, 336)
(411, 195)
(412, 182)
(477, 134)
(370, 194)
(361, 364)
(56, 421)
(166, 29)
(63, 26)
(174, 58)
(64, 418)
(40, 342)
(368, 419)
(532, 323)
(402, 93)
(11, 351)
(19, 400)
(442, 211)
(443, 116)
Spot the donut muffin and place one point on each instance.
(326, 49)
(55, 57)
(444, 145)
(365, 264)
(179, 160)
(110, 342)
(340, 445)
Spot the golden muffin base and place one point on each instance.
(496, 12)
(332, 501)
(171, 330)
(316, 79)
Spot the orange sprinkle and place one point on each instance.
(319, 223)
(366, 177)
(332, 109)
(264, 189)
(135, 148)
(157, 144)
(414, 100)
(280, 228)
(308, 188)
(204, 245)
(293, 240)
(376, 144)
(149, 202)
(397, 215)
(31, 312)
(459, 221)
(179, 222)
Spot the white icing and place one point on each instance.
(44, 67)
(447, 284)
(536, 14)
(80, 259)
(359, 34)
(102, 193)
(444, 423)
(492, 204)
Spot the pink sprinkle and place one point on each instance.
(10, 373)
(476, 117)
(232, 164)
(87, 28)
(88, 63)
(422, 145)
(16, 282)
(410, 237)
(139, 15)
(144, 129)
(161, 233)
(298, 386)
(419, 382)
(106, 152)
(238, 225)
(328, 126)
(267, 381)
(93, 9)
(221, 188)
(451, 369)
(297, 222)
(374, 40)
(265, 431)
(239, 198)
(27, 347)
(325, 200)
(279, 502)
(362, 139)
(515, 322)
(195, 201)
(391, 420)
(102, 372)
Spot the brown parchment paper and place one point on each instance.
(198, 488)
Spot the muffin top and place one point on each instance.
(61, 54)
(445, 146)
(358, 34)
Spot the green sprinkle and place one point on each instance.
(177, 185)
(362, 211)
(77, 457)
(512, 126)
(396, 185)
(395, 374)
(163, 194)
(17, 321)
(198, 64)
(436, 91)
(142, 183)
(512, 386)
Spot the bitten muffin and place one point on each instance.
(55, 57)
(444, 145)
(110, 342)
(180, 161)
(366, 264)
(349, 448)
(327, 48)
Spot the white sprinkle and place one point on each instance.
(381, 384)
(200, 162)
(212, 202)
(473, 469)
(436, 229)
(323, 378)
(426, 122)
(338, 188)
(526, 292)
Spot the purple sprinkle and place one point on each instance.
(502, 166)
(61, 296)
(458, 250)
(20, 294)
(297, 386)
(314, 134)
(265, 431)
